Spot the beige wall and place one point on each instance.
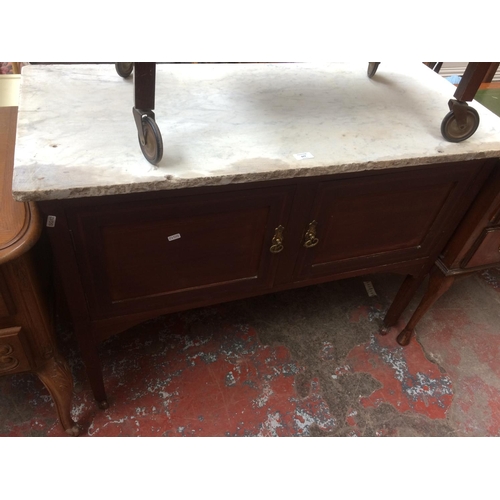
(9, 90)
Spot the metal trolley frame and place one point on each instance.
(458, 125)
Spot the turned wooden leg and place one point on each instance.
(402, 299)
(438, 284)
(56, 376)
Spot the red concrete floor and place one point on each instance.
(307, 362)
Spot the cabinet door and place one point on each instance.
(178, 251)
(365, 222)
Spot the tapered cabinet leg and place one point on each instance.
(97, 384)
(402, 299)
(438, 284)
(90, 356)
(56, 376)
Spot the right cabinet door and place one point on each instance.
(368, 221)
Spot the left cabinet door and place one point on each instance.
(179, 251)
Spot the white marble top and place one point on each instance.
(231, 123)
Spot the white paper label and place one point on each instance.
(174, 237)
(303, 156)
(51, 221)
(370, 290)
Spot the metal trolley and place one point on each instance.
(458, 125)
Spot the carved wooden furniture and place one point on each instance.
(126, 258)
(475, 246)
(27, 341)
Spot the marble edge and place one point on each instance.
(169, 182)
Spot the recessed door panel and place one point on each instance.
(183, 252)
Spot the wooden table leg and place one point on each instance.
(144, 85)
(474, 74)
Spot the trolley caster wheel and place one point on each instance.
(372, 69)
(454, 131)
(152, 146)
(124, 69)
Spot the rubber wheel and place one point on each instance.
(124, 69)
(372, 69)
(452, 132)
(153, 147)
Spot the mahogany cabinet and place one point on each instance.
(27, 339)
(123, 259)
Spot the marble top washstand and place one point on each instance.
(231, 123)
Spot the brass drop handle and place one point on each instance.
(277, 242)
(310, 239)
